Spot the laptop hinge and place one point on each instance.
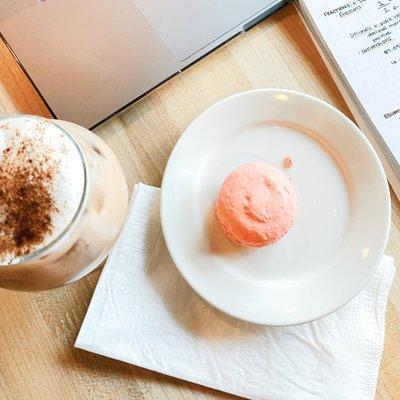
(264, 15)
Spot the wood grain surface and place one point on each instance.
(37, 331)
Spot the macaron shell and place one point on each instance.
(256, 205)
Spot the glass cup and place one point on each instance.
(87, 239)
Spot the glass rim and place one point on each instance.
(40, 251)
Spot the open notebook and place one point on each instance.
(360, 43)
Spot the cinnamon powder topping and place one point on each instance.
(26, 202)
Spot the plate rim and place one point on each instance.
(380, 172)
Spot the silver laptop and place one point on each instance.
(91, 58)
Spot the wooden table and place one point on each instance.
(37, 331)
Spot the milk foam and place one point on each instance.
(69, 178)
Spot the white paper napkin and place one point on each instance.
(144, 313)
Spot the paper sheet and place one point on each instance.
(363, 39)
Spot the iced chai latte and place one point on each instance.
(63, 200)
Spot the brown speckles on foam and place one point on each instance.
(26, 201)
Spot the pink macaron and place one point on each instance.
(256, 205)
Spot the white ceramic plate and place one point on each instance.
(339, 234)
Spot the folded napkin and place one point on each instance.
(144, 313)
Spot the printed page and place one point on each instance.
(363, 38)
